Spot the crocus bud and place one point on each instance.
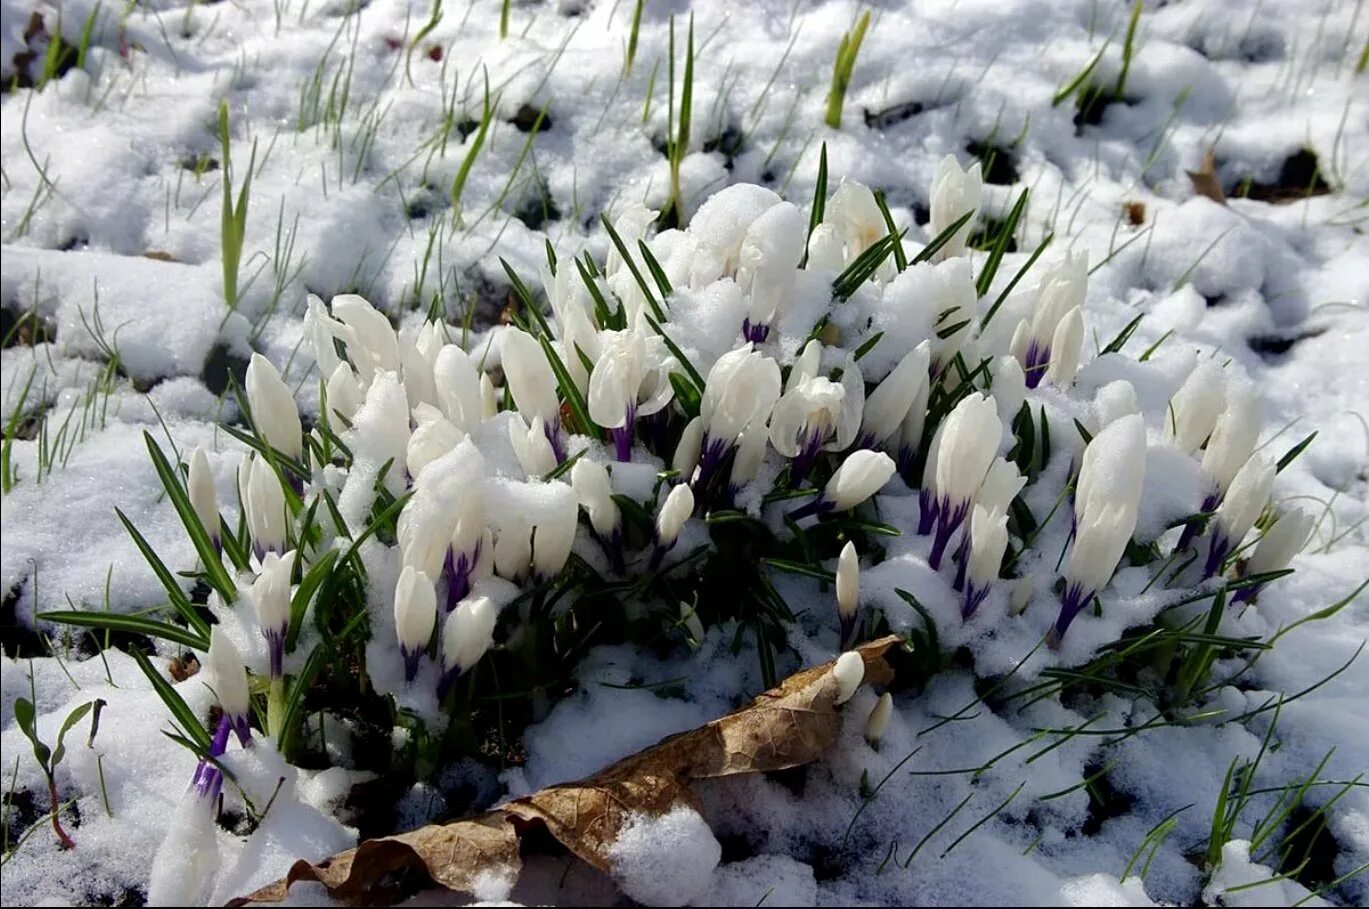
(1233, 438)
(969, 440)
(554, 533)
(271, 596)
(849, 671)
(344, 393)
(1193, 410)
(888, 404)
(1113, 467)
(676, 509)
(273, 407)
(228, 680)
(1064, 355)
(803, 422)
(432, 439)
(418, 374)
(1100, 540)
(750, 455)
(322, 332)
(1245, 499)
(878, 722)
(988, 540)
(826, 249)
(860, 476)
(513, 550)
(954, 192)
(1009, 387)
(1047, 344)
(529, 376)
(686, 456)
(370, 338)
(457, 387)
(910, 432)
(848, 592)
(1284, 539)
(1001, 485)
(469, 632)
(263, 502)
(532, 447)
(489, 399)
(694, 628)
(742, 386)
(415, 616)
(200, 486)
(590, 481)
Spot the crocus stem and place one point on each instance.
(275, 709)
(66, 841)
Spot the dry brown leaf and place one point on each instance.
(1205, 181)
(785, 727)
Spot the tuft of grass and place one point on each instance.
(631, 55)
(486, 118)
(842, 68)
(677, 138)
(233, 221)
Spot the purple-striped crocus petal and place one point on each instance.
(1076, 598)
(445, 683)
(1038, 358)
(208, 779)
(456, 569)
(712, 454)
(949, 518)
(275, 648)
(962, 560)
(848, 631)
(410, 662)
(622, 435)
(552, 430)
(927, 506)
(973, 597)
(803, 461)
(1195, 527)
(1217, 551)
(756, 334)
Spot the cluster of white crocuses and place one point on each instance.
(516, 451)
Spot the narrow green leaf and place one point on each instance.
(942, 238)
(1000, 245)
(1292, 454)
(175, 594)
(130, 624)
(185, 717)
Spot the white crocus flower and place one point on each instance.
(968, 442)
(742, 386)
(826, 249)
(1233, 438)
(670, 520)
(954, 305)
(910, 430)
(878, 722)
(1245, 499)
(686, 456)
(954, 192)
(860, 476)
(849, 672)
(415, 616)
(848, 592)
(371, 341)
(263, 503)
(530, 377)
(1284, 539)
(1113, 467)
(228, 680)
(1000, 486)
(988, 540)
(418, 374)
(531, 446)
(887, 406)
(322, 330)
(767, 260)
(467, 635)
(806, 364)
(1195, 408)
(200, 487)
(750, 455)
(573, 309)
(489, 398)
(590, 481)
(457, 387)
(1100, 540)
(553, 534)
(271, 597)
(631, 223)
(1050, 335)
(1009, 387)
(630, 380)
(855, 214)
(344, 393)
(186, 863)
(433, 437)
(273, 407)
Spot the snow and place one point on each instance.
(122, 250)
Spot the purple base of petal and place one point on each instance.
(1076, 598)
(948, 521)
(1038, 358)
(756, 334)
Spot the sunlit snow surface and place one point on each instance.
(1279, 290)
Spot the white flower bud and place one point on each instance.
(954, 192)
(988, 540)
(529, 376)
(371, 341)
(271, 592)
(878, 722)
(554, 534)
(1194, 409)
(273, 407)
(693, 626)
(686, 456)
(1245, 499)
(806, 364)
(750, 455)
(1065, 343)
(1113, 468)
(853, 211)
(432, 439)
(322, 331)
(676, 509)
(418, 375)
(263, 502)
(1281, 542)
(590, 481)
(200, 487)
(860, 476)
(970, 437)
(415, 609)
(532, 447)
(849, 671)
(1233, 438)
(457, 387)
(742, 386)
(344, 393)
(1009, 387)
(1100, 540)
(848, 582)
(228, 676)
(888, 404)
(826, 249)
(468, 634)
(1000, 486)
(489, 399)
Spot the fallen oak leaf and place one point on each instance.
(785, 727)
